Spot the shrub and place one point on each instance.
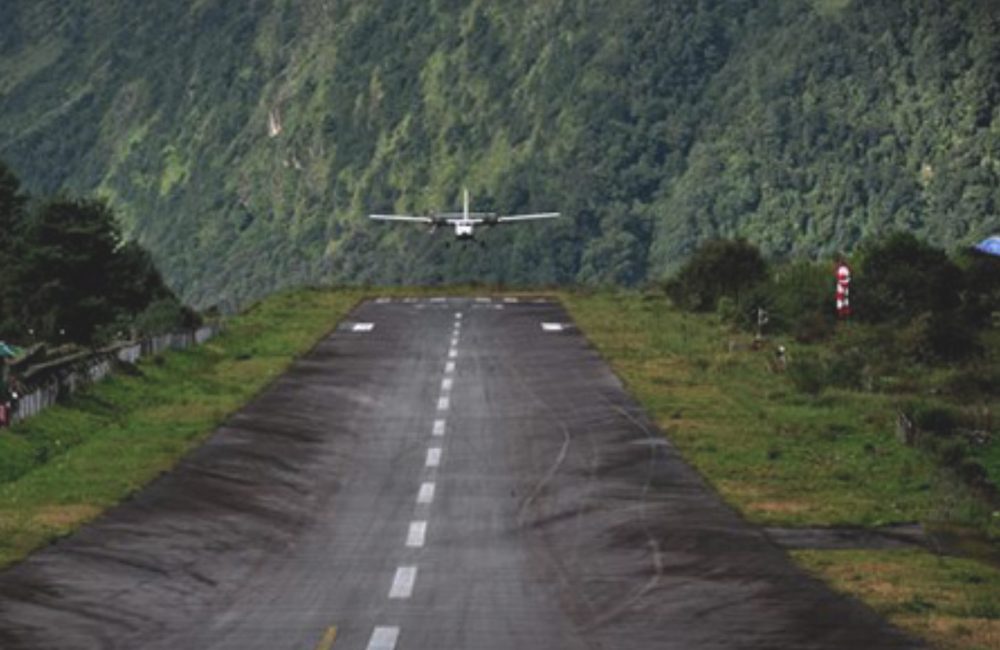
(901, 277)
(808, 374)
(847, 369)
(938, 420)
(720, 267)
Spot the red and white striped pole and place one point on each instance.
(843, 290)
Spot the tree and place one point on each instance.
(720, 267)
(65, 281)
(901, 277)
(12, 204)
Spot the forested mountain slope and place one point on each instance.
(244, 142)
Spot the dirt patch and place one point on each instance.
(849, 537)
(65, 517)
(952, 632)
(784, 507)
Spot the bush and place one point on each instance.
(982, 380)
(940, 421)
(808, 374)
(847, 370)
(721, 267)
(901, 277)
(165, 315)
(933, 337)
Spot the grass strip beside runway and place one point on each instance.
(787, 459)
(115, 437)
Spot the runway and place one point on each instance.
(435, 474)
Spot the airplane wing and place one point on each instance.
(401, 217)
(527, 217)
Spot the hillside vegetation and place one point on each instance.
(242, 143)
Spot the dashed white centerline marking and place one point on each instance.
(454, 342)
(510, 300)
(433, 457)
(552, 327)
(417, 535)
(444, 404)
(426, 494)
(446, 384)
(458, 315)
(438, 429)
(484, 299)
(363, 327)
(449, 367)
(452, 353)
(383, 301)
(402, 583)
(438, 299)
(384, 638)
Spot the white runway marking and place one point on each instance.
(383, 301)
(426, 494)
(552, 327)
(433, 457)
(402, 583)
(482, 299)
(417, 535)
(510, 301)
(449, 367)
(444, 404)
(446, 384)
(452, 353)
(363, 327)
(438, 299)
(454, 342)
(384, 638)
(409, 301)
(438, 429)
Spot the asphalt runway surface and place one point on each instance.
(435, 474)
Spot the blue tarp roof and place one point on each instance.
(990, 246)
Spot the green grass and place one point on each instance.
(781, 457)
(949, 601)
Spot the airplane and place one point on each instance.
(464, 222)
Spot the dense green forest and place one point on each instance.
(243, 143)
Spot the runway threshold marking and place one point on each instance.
(417, 534)
(384, 638)
(403, 582)
(328, 639)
